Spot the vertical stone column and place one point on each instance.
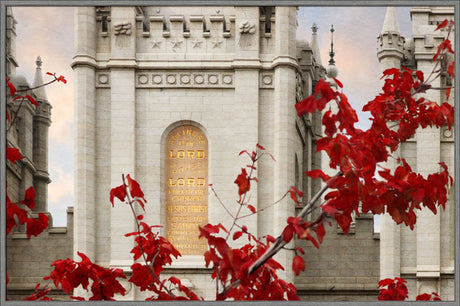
(428, 224)
(122, 130)
(25, 141)
(41, 176)
(247, 65)
(42, 121)
(285, 65)
(85, 125)
(390, 54)
(10, 43)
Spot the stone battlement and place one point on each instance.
(149, 22)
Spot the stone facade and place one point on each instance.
(235, 73)
(28, 260)
(424, 256)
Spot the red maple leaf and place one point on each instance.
(135, 191)
(119, 192)
(36, 226)
(29, 198)
(31, 100)
(298, 264)
(442, 24)
(451, 69)
(11, 87)
(243, 182)
(12, 154)
(61, 79)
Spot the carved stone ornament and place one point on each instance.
(299, 87)
(247, 27)
(122, 28)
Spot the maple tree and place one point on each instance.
(250, 272)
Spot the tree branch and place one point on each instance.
(279, 242)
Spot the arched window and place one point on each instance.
(186, 188)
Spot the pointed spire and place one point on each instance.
(38, 80)
(390, 23)
(315, 44)
(332, 70)
(332, 53)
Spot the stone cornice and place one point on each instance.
(83, 60)
(390, 53)
(247, 64)
(122, 63)
(285, 60)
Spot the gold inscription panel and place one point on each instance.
(186, 191)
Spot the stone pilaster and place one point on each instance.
(390, 55)
(285, 66)
(428, 224)
(246, 66)
(41, 122)
(123, 127)
(85, 125)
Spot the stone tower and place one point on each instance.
(146, 77)
(28, 260)
(424, 256)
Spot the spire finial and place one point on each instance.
(390, 22)
(39, 62)
(332, 70)
(332, 53)
(38, 80)
(314, 44)
(314, 28)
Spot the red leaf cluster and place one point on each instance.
(12, 154)
(70, 274)
(303, 230)
(157, 252)
(134, 189)
(357, 153)
(428, 297)
(395, 290)
(16, 215)
(317, 101)
(231, 265)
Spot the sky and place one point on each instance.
(48, 32)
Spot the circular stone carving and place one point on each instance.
(447, 133)
(171, 79)
(213, 79)
(157, 79)
(103, 79)
(143, 79)
(199, 79)
(227, 79)
(185, 79)
(267, 79)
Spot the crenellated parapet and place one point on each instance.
(390, 41)
(195, 31)
(426, 39)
